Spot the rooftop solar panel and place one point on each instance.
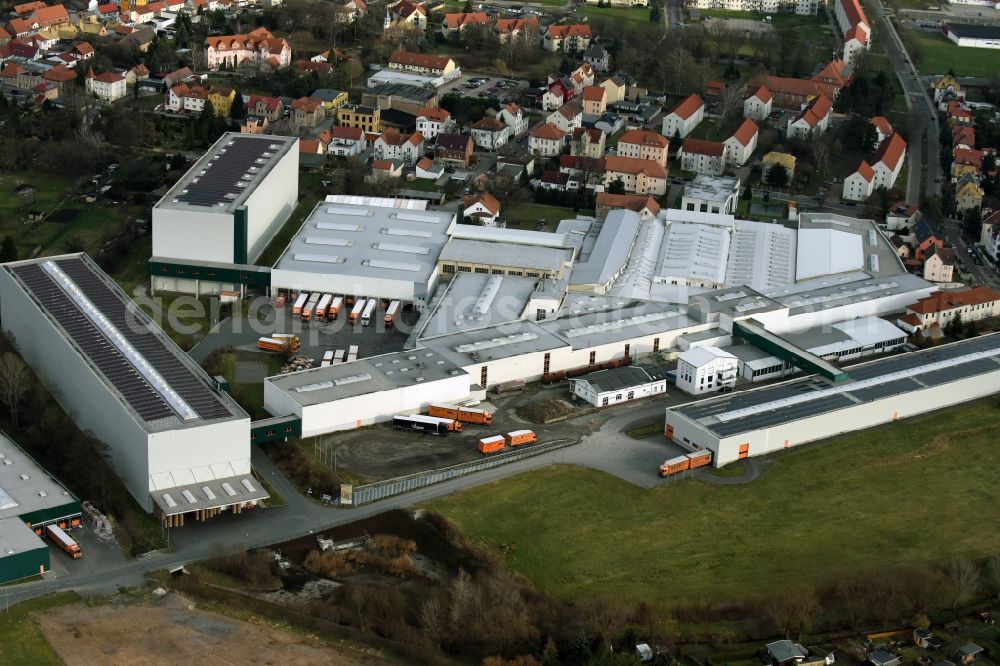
(132, 325)
(225, 176)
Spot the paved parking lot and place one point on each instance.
(484, 86)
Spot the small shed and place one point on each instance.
(969, 653)
(644, 652)
(882, 657)
(785, 653)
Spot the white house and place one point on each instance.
(706, 370)
(702, 156)
(888, 161)
(644, 145)
(490, 133)
(183, 97)
(567, 117)
(610, 387)
(711, 194)
(883, 128)
(639, 176)
(547, 140)
(684, 117)
(740, 146)
(814, 119)
(431, 120)
(758, 105)
(347, 141)
(514, 118)
(391, 145)
(258, 46)
(109, 86)
(858, 184)
(427, 170)
(483, 207)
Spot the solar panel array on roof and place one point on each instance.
(191, 388)
(137, 392)
(227, 174)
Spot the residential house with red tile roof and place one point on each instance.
(888, 161)
(266, 107)
(792, 94)
(645, 205)
(567, 117)
(813, 119)
(307, 112)
(595, 100)
(966, 160)
(883, 128)
(589, 142)
(405, 14)
(526, 31)
(347, 141)
(185, 98)
(567, 38)
(514, 117)
(546, 140)
(489, 133)
(859, 184)
(757, 105)
(109, 86)
(963, 136)
(427, 64)
(258, 47)
(454, 24)
(743, 142)
(392, 145)
(936, 310)
(38, 19)
(939, 265)
(644, 145)
(483, 208)
(639, 176)
(835, 73)
(855, 27)
(431, 120)
(700, 156)
(385, 170)
(684, 117)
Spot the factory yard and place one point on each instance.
(167, 631)
(856, 504)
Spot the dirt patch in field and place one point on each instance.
(164, 631)
(545, 411)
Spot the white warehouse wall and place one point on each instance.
(193, 236)
(191, 455)
(75, 386)
(271, 203)
(332, 283)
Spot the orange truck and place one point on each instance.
(675, 466)
(391, 313)
(492, 444)
(335, 306)
(300, 302)
(279, 342)
(64, 541)
(521, 437)
(465, 414)
(699, 459)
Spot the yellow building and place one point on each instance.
(221, 99)
(968, 194)
(366, 118)
(127, 5)
(784, 159)
(332, 99)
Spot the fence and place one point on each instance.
(403, 484)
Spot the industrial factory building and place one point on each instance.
(29, 500)
(214, 223)
(381, 248)
(761, 421)
(181, 446)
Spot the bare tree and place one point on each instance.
(964, 580)
(15, 379)
(731, 102)
(821, 156)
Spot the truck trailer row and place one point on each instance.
(513, 439)
(326, 307)
(685, 462)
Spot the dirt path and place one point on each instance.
(163, 631)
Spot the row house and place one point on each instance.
(940, 307)
(792, 94)
(306, 112)
(567, 38)
(526, 30)
(639, 176)
(36, 19)
(184, 98)
(258, 47)
(266, 107)
(567, 117)
(426, 64)
(758, 105)
(454, 24)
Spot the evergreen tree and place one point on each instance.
(238, 110)
(777, 176)
(8, 250)
(655, 13)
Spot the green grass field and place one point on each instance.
(910, 493)
(21, 642)
(617, 14)
(939, 55)
(528, 215)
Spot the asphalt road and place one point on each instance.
(921, 109)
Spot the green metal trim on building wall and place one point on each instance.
(43, 516)
(276, 429)
(24, 564)
(235, 275)
(835, 375)
(240, 236)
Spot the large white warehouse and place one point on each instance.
(181, 446)
(217, 219)
(753, 423)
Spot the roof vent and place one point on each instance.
(42, 493)
(25, 477)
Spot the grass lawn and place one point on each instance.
(858, 503)
(250, 396)
(617, 14)
(21, 642)
(527, 216)
(938, 55)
